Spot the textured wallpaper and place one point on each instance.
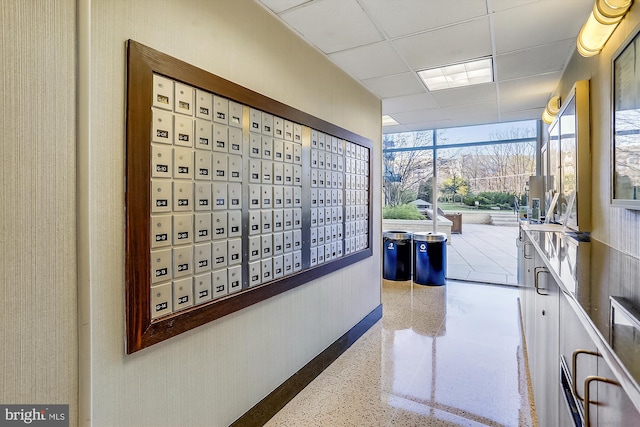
(38, 355)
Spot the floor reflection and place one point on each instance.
(460, 354)
(444, 356)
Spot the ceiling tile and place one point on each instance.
(477, 119)
(524, 103)
(476, 113)
(466, 95)
(511, 116)
(344, 25)
(538, 60)
(369, 61)
(395, 85)
(420, 116)
(376, 41)
(448, 45)
(278, 6)
(431, 124)
(395, 129)
(403, 17)
(546, 21)
(422, 101)
(498, 5)
(529, 86)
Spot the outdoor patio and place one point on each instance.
(483, 253)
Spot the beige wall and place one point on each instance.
(616, 227)
(38, 356)
(213, 374)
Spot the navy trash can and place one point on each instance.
(430, 258)
(396, 263)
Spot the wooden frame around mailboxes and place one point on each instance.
(141, 330)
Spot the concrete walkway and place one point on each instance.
(483, 253)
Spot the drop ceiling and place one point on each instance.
(383, 43)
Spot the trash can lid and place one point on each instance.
(430, 237)
(397, 235)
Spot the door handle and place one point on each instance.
(524, 250)
(536, 282)
(587, 401)
(574, 369)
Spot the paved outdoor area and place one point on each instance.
(483, 253)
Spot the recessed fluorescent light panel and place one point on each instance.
(387, 120)
(458, 75)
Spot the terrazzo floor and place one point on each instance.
(440, 356)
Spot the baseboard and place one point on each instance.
(264, 410)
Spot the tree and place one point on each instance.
(494, 167)
(449, 166)
(470, 167)
(403, 170)
(500, 167)
(515, 162)
(425, 190)
(454, 186)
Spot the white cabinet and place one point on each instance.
(526, 265)
(539, 300)
(564, 348)
(609, 404)
(579, 353)
(545, 352)
(614, 408)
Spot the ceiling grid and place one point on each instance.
(383, 44)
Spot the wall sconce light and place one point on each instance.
(551, 110)
(601, 23)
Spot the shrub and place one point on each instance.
(498, 198)
(408, 211)
(469, 200)
(488, 199)
(484, 201)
